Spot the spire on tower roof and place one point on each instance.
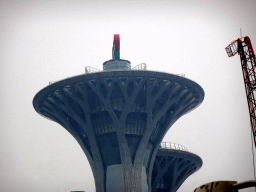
(116, 47)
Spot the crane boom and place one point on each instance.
(244, 48)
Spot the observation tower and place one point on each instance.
(119, 117)
(173, 165)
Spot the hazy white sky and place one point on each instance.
(43, 40)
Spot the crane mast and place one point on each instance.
(244, 48)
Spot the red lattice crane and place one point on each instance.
(243, 47)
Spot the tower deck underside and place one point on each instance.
(172, 168)
(119, 118)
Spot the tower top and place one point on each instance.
(116, 64)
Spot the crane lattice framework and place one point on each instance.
(243, 47)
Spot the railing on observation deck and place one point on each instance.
(141, 66)
(90, 69)
(169, 145)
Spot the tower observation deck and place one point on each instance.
(172, 166)
(119, 117)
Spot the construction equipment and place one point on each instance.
(225, 186)
(243, 47)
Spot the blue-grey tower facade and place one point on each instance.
(119, 117)
(172, 166)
